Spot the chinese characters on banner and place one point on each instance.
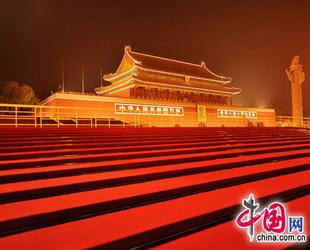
(142, 109)
(223, 113)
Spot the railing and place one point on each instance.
(290, 121)
(60, 116)
(57, 116)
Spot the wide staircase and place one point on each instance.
(138, 188)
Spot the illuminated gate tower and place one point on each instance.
(150, 77)
(151, 91)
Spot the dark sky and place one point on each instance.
(250, 41)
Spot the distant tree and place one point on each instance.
(15, 93)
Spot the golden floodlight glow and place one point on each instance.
(224, 113)
(143, 109)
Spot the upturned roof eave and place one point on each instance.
(115, 76)
(203, 66)
(136, 79)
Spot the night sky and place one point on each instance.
(250, 41)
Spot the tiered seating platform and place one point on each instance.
(138, 188)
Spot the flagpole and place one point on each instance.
(62, 77)
(101, 77)
(83, 80)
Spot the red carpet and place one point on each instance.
(165, 188)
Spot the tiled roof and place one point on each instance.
(174, 66)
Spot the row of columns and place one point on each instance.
(175, 95)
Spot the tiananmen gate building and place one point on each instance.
(148, 90)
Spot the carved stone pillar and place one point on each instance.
(296, 76)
